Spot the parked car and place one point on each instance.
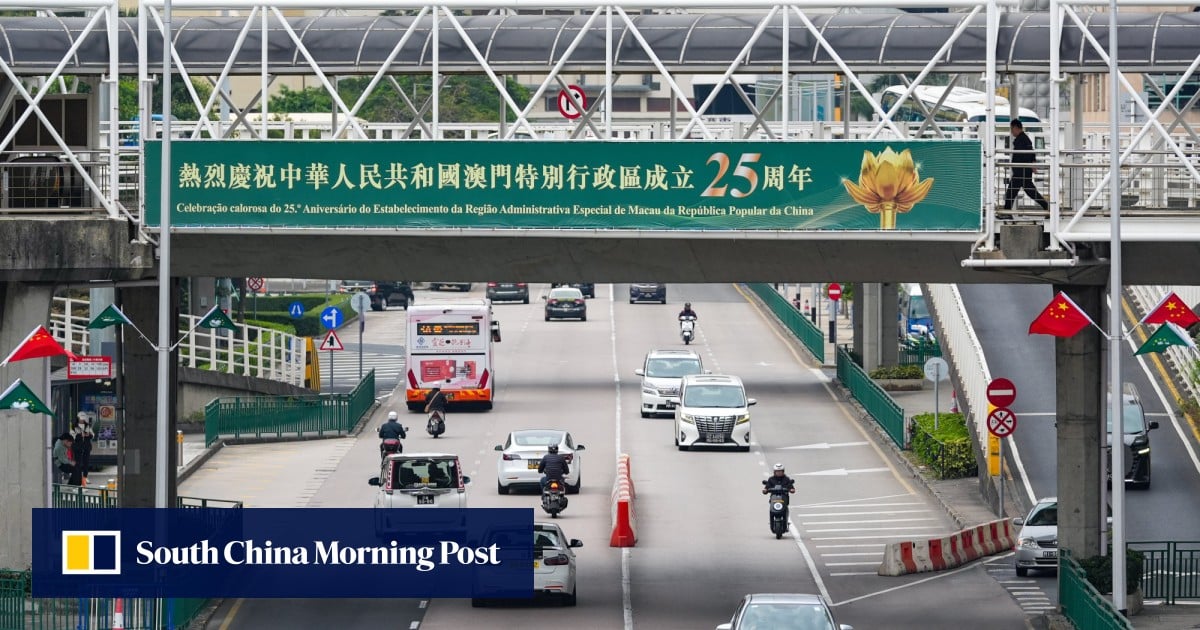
(712, 410)
(508, 292)
(421, 480)
(565, 302)
(587, 288)
(554, 562)
(1037, 540)
(783, 610)
(661, 372)
(1136, 439)
(390, 293)
(647, 292)
(523, 451)
(461, 286)
(354, 286)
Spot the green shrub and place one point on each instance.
(948, 451)
(1099, 570)
(898, 372)
(309, 325)
(281, 302)
(288, 328)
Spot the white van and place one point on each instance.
(421, 480)
(712, 410)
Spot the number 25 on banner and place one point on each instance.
(741, 170)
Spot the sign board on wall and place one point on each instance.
(682, 185)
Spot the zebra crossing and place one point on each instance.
(343, 366)
(1028, 592)
(849, 536)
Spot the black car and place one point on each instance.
(565, 303)
(1136, 439)
(390, 293)
(508, 291)
(587, 288)
(647, 292)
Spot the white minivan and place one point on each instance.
(661, 374)
(421, 480)
(712, 410)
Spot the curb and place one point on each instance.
(197, 462)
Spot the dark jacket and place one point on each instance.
(687, 312)
(785, 481)
(436, 402)
(391, 430)
(554, 466)
(1023, 149)
(82, 450)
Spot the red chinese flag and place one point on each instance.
(1174, 310)
(39, 344)
(1061, 318)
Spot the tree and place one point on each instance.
(464, 98)
(182, 107)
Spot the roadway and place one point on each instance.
(703, 535)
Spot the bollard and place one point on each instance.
(179, 448)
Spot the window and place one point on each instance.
(538, 438)
(672, 368)
(1047, 515)
(727, 396)
(409, 474)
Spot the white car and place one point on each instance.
(522, 452)
(1037, 542)
(554, 564)
(712, 410)
(421, 480)
(661, 373)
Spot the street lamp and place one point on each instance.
(1115, 398)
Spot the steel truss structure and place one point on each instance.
(553, 40)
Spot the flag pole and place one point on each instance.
(1116, 397)
(49, 428)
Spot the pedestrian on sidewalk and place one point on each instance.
(82, 447)
(63, 460)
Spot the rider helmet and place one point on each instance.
(687, 305)
(778, 467)
(392, 415)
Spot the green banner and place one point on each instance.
(679, 185)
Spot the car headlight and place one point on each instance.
(1027, 543)
(1144, 451)
(686, 418)
(650, 391)
(743, 419)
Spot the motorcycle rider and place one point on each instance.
(435, 402)
(687, 311)
(779, 478)
(553, 466)
(391, 430)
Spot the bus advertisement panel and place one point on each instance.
(449, 346)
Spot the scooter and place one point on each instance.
(436, 425)
(687, 329)
(554, 497)
(389, 446)
(779, 510)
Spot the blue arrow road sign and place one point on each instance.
(331, 317)
(296, 309)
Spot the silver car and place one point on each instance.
(1037, 542)
(776, 611)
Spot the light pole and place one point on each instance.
(1115, 395)
(162, 435)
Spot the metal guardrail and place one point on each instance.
(1170, 570)
(807, 332)
(254, 350)
(941, 456)
(873, 398)
(1081, 602)
(18, 611)
(281, 416)
(961, 346)
(68, 496)
(918, 355)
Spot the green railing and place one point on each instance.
(66, 496)
(871, 396)
(911, 354)
(1081, 602)
(281, 416)
(1170, 570)
(18, 611)
(800, 326)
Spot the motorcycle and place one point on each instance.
(554, 497)
(779, 510)
(389, 446)
(436, 425)
(687, 329)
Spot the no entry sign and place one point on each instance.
(834, 291)
(1001, 392)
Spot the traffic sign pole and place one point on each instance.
(362, 323)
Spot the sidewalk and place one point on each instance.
(193, 449)
(845, 329)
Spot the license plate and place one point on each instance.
(533, 464)
(537, 564)
(425, 499)
(1050, 554)
(714, 439)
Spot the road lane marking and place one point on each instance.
(626, 589)
(862, 513)
(233, 611)
(848, 573)
(869, 529)
(423, 604)
(876, 520)
(855, 546)
(808, 559)
(882, 537)
(774, 328)
(414, 625)
(844, 501)
(908, 585)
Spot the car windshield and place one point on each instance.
(544, 538)
(410, 474)
(785, 617)
(1045, 514)
(537, 438)
(917, 308)
(566, 294)
(714, 396)
(1135, 422)
(672, 368)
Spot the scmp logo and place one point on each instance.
(91, 553)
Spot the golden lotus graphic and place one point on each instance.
(888, 184)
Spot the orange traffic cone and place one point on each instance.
(953, 401)
(118, 614)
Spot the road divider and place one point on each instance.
(947, 552)
(624, 520)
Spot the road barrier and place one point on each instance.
(947, 552)
(624, 521)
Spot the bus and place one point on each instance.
(449, 345)
(915, 318)
(962, 105)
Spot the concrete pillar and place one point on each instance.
(1079, 364)
(857, 318)
(202, 295)
(138, 440)
(23, 449)
(889, 324)
(871, 326)
(99, 340)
